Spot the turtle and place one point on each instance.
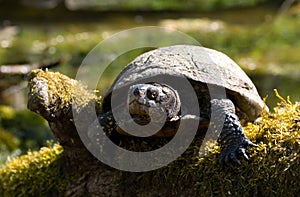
(146, 91)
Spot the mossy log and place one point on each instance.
(51, 95)
(272, 171)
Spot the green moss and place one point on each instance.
(26, 129)
(36, 174)
(273, 168)
(6, 112)
(68, 91)
(8, 145)
(8, 141)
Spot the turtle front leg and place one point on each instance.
(107, 123)
(232, 139)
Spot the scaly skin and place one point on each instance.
(107, 123)
(232, 139)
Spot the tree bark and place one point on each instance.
(92, 177)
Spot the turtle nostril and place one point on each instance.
(136, 92)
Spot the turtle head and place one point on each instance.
(159, 98)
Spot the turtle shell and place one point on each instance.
(196, 63)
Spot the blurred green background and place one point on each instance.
(262, 36)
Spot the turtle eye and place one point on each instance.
(152, 94)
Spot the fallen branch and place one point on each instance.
(24, 69)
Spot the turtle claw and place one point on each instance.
(229, 159)
(231, 153)
(243, 153)
(248, 143)
(234, 159)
